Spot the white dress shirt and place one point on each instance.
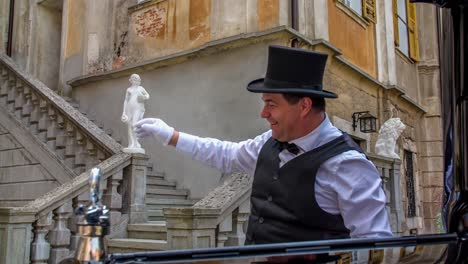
(346, 184)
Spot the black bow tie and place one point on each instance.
(291, 147)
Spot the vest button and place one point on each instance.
(261, 220)
(275, 177)
(270, 198)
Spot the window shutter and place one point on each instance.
(368, 10)
(395, 22)
(412, 31)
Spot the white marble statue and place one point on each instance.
(133, 111)
(388, 135)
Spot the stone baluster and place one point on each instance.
(4, 86)
(59, 236)
(35, 114)
(19, 100)
(3, 74)
(112, 198)
(27, 107)
(40, 248)
(101, 155)
(92, 155)
(224, 228)
(72, 221)
(43, 123)
(70, 145)
(52, 129)
(81, 154)
(11, 93)
(241, 215)
(60, 138)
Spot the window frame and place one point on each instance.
(411, 29)
(368, 8)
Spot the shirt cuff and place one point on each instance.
(186, 142)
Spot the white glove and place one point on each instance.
(154, 127)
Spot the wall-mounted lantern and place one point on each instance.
(367, 122)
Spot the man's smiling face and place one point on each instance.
(282, 116)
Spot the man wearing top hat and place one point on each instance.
(311, 181)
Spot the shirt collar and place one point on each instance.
(313, 139)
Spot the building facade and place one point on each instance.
(196, 57)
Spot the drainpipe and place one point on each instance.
(10, 28)
(294, 21)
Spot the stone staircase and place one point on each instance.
(152, 236)
(162, 193)
(58, 125)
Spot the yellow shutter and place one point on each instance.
(395, 22)
(368, 10)
(412, 31)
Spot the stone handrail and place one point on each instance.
(214, 221)
(79, 185)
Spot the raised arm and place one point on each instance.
(223, 155)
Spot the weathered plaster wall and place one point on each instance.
(21, 33)
(407, 77)
(4, 16)
(73, 43)
(356, 41)
(45, 62)
(313, 18)
(158, 28)
(385, 43)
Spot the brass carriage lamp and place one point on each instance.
(367, 122)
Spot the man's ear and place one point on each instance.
(306, 105)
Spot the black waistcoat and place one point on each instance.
(283, 205)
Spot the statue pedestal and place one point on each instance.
(134, 150)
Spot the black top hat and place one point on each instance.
(293, 71)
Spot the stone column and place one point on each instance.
(134, 188)
(15, 235)
(190, 228)
(395, 181)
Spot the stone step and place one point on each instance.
(123, 245)
(154, 182)
(166, 193)
(151, 230)
(161, 203)
(155, 215)
(155, 175)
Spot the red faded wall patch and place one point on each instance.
(151, 22)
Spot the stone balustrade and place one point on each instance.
(217, 220)
(63, 130)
